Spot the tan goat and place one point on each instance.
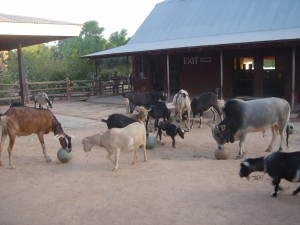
(117, 140)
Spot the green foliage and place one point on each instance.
(62, 61)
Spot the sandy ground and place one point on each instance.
(183, 186)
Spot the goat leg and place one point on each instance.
(173, 142)
(296, 191)
(41, 139)
(10, 149)
(275, 182)
(117, 155)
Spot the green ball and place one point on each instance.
(172, 118)
(150, 143)
(290, 128)
(63, 155)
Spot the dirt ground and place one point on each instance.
(183, 186)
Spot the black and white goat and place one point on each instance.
(182, 103)
(278, 165)
(156, 111)
(171, 130)
(42, 99)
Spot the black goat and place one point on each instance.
(156, 111)
(278, 165)
(171, 130)
(143, 99)
(204, 102)
(118, 121)
(15, 104)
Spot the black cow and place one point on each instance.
(278, 166)
(143, 99)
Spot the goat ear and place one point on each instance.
(183, 131)
(247, 164)
(59, 136)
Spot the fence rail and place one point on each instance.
(64, 89)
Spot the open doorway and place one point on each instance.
(243, 82)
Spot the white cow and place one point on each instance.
(242, 117)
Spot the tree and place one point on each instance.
(69, 51)
(119, 64)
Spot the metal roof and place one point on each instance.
(15, 30)
(190, 23)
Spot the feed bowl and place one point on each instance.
(150, 143)
(63, 155)
(221, 154)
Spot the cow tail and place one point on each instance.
(287, 135)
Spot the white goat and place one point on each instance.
(42, 99)
(117, 140)
(182, 103)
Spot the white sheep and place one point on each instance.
(118, 140)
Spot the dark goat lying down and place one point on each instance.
(278, 165)
(171, 130)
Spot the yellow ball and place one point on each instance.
(221, 154)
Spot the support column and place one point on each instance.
(21, 79)
(221, 74)
(293, 77)
(168, 77)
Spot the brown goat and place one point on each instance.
(24, 121)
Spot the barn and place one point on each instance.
(245, 48)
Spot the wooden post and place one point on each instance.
(21, 79)
(68, 90)
(26, 92)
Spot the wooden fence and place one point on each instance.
(67, 89)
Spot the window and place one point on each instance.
(244, 63)
(269, 63)
(142, 69)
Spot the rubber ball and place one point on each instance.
(63, 155)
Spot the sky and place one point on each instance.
(113, 15)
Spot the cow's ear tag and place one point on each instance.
(222, 127)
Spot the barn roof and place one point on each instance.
(15, 30)
(174, 24)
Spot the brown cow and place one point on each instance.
(24, 121)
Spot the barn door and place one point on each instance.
(273, 83)
(156, 70)
(243, 82)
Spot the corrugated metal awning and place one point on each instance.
(174, 24)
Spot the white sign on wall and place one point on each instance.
(195, 60)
